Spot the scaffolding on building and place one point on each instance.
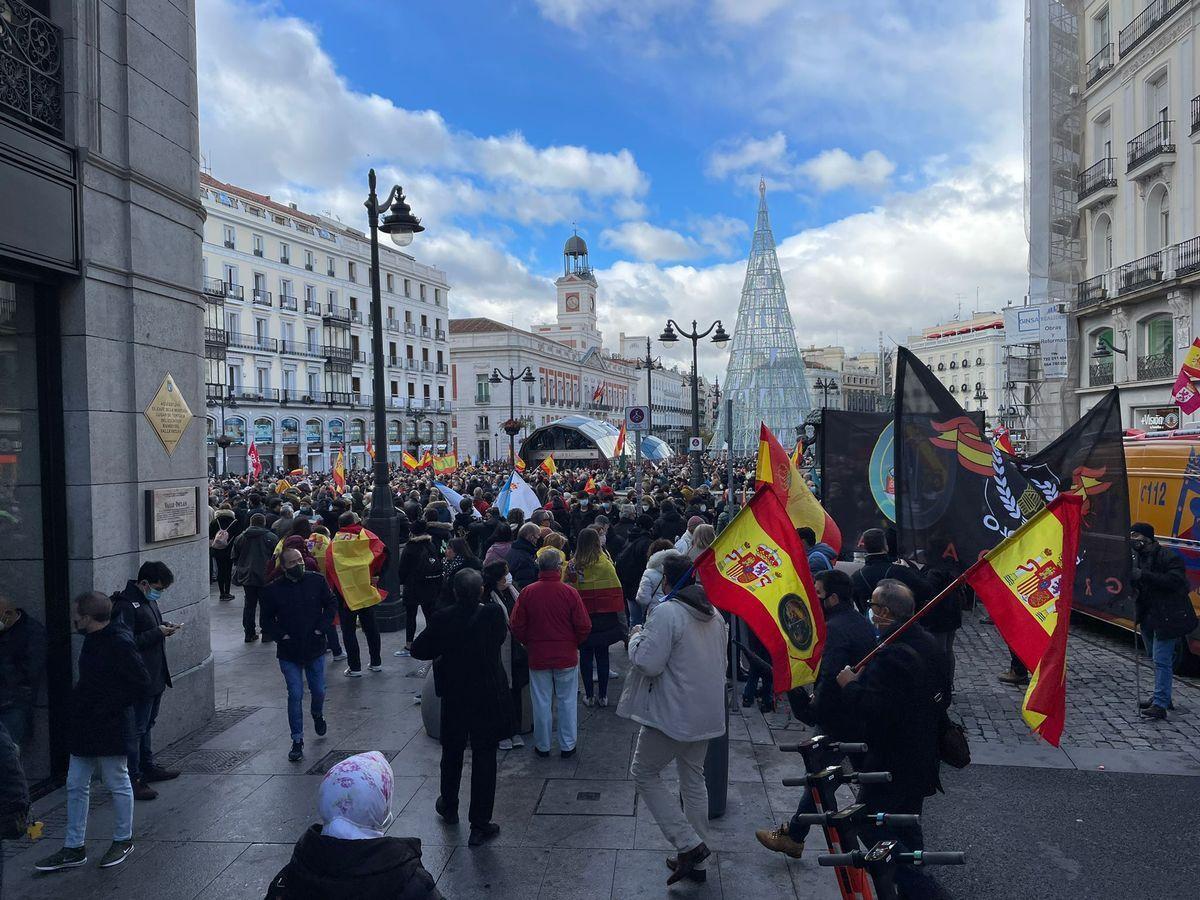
(765, 377)
(1053, 150)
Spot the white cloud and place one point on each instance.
(835, 168)
(829, 170)
(651, 243)
(769, 154)
(578, 13)
(746, 12)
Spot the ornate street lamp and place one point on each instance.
(512, 427)
(720, 338)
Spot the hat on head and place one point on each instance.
(1142, 528)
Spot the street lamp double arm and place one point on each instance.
(498, 377)
(825, 385)
(672, 333)
(650, 363)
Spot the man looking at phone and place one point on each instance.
(137, 608)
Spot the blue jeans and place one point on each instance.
(1162, 651)
(294, 674)
(558, 685)
(79, 787)
(143, 713)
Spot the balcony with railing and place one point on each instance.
(1195, 114)
(1140, 273)
(337, 398)
(261, 297)
(31, 67)
(1146, 22)
(216, 337)
(256, 395)
(395, 402)
(1097, 183)
(301, 348)
(217, 392)
(1157, 365)
(289, 395)
(312, 308)
(426, 366)
(336, 313)
(410, 328)
(393, 362)
(1099, 65)
(338, 354)
(443, 369)
(426, 331)
(392, 325)
(359, 356)
(410, 364)
(287, 301)
(1150, 150)
(441, 334)
(356, 316)
(214, 289)
(1090, 292)
(363, 400)
(254, 342)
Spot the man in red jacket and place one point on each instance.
(551, 621)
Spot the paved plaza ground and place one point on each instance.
(1035, 821)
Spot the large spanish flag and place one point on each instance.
(520, 464)
(339, 471)
(757, 569)
(619, 450)
(1027, 583)
(354, 556)
(777, 471)
(410, 462)
(548, 466)
(445, 465)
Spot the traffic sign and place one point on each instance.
(637, 418)
(695, 445)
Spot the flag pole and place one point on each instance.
(918, 615)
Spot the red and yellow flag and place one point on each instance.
(409, 461)
(339, 472)
(426, 460)
(779, 473)
(370, 450)
(590, 487)
(1026, 583)
(520, 464)
(619, 450)
(797, 452)
(548, 465)
(962, 434)
(445, 465)
(1003, 440)
(757, 569)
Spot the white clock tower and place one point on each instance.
(576, 326)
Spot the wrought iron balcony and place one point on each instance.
(337, 398)
(287, 301)
(330, 272)
(392, 325)
(336, 313)
(443, 369)
(356, 316)
(31, 67)
(229, 245)
(395, 402)
(213, 391)
(214, 288)
(289, 395)
(1090, 292)
(426, 366)
(1158, 365)
(1152, 142)
(1144, 23)
(441, 335)
(360, 356)
(1139, 273)
(253, 342)
(1099, 64)
(425, 332)
(312, 308)
(410, 328)
(1195, 114)
(217, 337)
(286, 260)
(234, 291)
(261, 297)
(337, 354)
(1100, 372)
(300, 348)
(258, 251)
(256, 395)
(393, 361)
(1096, 177)
(410, 363)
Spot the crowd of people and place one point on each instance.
(518, 613)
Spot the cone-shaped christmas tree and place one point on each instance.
(765, 378)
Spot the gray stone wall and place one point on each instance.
(136, 314)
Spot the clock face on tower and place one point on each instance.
(572, 303)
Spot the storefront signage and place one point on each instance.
(566, 454)
(1156, 418)
(169, 414)
(172, 513)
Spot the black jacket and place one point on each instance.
(464, 644)
(631, 564)
(14, 792)
(618, 536)
(580, 519)
(892, 707)
(233, 525)
(22, 663)
(111, 677)
(848, 638)
(252, 552)
(143, 618)
(297, 615)
(387, 868)
(522, 563)
(879, 566)
(670, 525)
(420, 571)
(1163, 604)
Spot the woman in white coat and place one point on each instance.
(651, 589)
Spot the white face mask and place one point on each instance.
(508, 578)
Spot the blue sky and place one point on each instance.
(889, 137)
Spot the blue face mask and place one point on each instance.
(153, 594)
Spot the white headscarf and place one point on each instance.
(355, 799)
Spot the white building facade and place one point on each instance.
(288, 337)
(967, 356)
(1136, 199)
(571, 373)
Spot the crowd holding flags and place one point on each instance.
(779, 473)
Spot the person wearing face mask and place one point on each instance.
(848, 638)
(137, 608)
(298, 612)
(22, 667)
(895, 705)
(498, 589)
(348, 856)
(112, 676)
(1163, 610)
(582, 516)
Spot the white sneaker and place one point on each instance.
(518, 741)
(602, 701)
(612, 674)
(350, 673)
(338, 657)
(378, 668)
(588, 701)
(506, 744)
(404, 653)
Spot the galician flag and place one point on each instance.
(1026, 583)
(516, 494)
(758, 569)
(455, 499)
(777, 472)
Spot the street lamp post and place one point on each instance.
(981, 396)
(650, 363)
(825, 385)
(670, 335)
(223, 440)
(511, 428)
(399, 222)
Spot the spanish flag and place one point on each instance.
(339, 472)
(619, 450)
(779, 473)
(298, 472)
(757, 569)
(548, 465)
(590, 487)
(445, 465)
(426, 460)
(797, 452)
(409, 461)
(1026, 583)
(370, 450)
(520, 464)
(352, 559)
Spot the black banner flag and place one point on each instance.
(858, 479)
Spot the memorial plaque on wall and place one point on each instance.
(172, 513)
(168, 414)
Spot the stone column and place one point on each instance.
(1124, 365)
(1180, 304)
